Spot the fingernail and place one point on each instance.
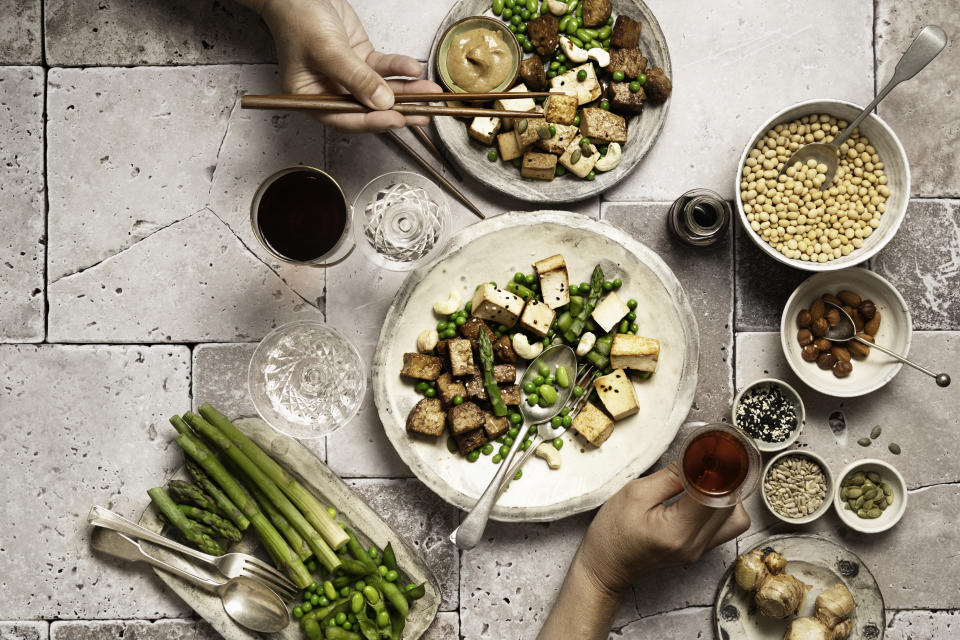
(382, 98)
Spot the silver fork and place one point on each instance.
(231, 565)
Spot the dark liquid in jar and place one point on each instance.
(715, 463)
(302, 215)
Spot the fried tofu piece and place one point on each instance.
(510, 394)
(602, 126)
(554, 281)
(525, 132)
(427, 417)
(593, 424)
(544, 34)
(580, 159)
(537, 317)
(471, 331)
(539, 166)
(464, 417)
(461, 358)
(494, 426)
(477, 393)
(533, 73)
(496, 305)
(515, 104)
(596, 12)
(449, 389)
(630, 61)
(626, 33)
(609, 311)
(470, 441)
(658, 86)
(559, 141)
(503, 350)
(634, 352)
(421, 366)
(505, 373)
(560, 108)
(509, 149)
(484, 129)
(622, 100)
(475, 389)
(586, 90)
(617, 394)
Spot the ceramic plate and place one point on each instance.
(313, 474)
(817, 562)
(642, 129)
(493, 250)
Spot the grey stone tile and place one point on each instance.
(133, 630)
(707, 277)
(24, 630)
(119, 170)
(695, 585)
(923, 263)
(23, 248)
(142, 32)
(410, 32)
(915, 625)
(88, 431)
(446, 626)
(202, 285)
(762, 285)
(745, 61)
(20, 32)
(694, 622)
(424, 521)
(923, 111)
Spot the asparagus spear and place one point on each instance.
(168, 507)
(572, 334)
(189, 493)
(489, 382)
(283, 556)
(222, 526)
(282, 524)
(223, 501)
(305, 501)
(257, 476)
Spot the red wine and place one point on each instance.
(715, 463)
(302, 215)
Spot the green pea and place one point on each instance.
(383, 619)
(566, 420)
(510, 4)
(556, 421)
(561, 69)
(584, 141)
(513, 432)
(551, 74)
(516, 418)
(528, 47)
(617, 283)
(632, 316)
(468, 307)
(565, 411)
(331, 512)
(344, 592)
(631, 304)
(548, 395)
(606, 43)
(518, 474)
(576, 120)
(558, 443)
(441, 326)
(561, 170)
(515, 19)
(306, 607)
(524, 15)
(563, 378)
(543, 370)
(497, 7)
(525, 445)
(457, 400)
(324, 601)
(533, 399)
(618, 76)
(347, 626)
(635, 86)
(508, 441)
(315, 600)
(430, 393)
(521, 29)
(487, 449)
(512, 27)
(581, 75)
(642, 79)
(603, 149)
(504, 450)
(605, 105)
(473, 456)
(517, 162)
(496, 458)
(382, 569)
(591, 176)
(607, 285)
(624, 326)
(492, 155)
(392, 575)
(451, 332)
(313, 586)
(507, 13)
(604, 32)
(341, 618)
(298, 612)
(537, 381)
(359, 585)
(552, 129)
(373, 552)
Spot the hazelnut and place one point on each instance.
(810, 353)
(817, 309)
(819, 326)
(822, 344)
(873, 324)
(804, 337)
(842, 368)
(833, 317)
(832, 299)
(849, 298)
(858, 321)
(826, 360)
(858, 349)
(804, 319)
(867, 309)
(842, 354)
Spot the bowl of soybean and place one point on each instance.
(870, 479)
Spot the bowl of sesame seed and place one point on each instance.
(797, 486)
(771, 412)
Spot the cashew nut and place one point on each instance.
(524, 349)
(548, 452)
(451, 305)
(598, 55)
(586, 343)
(572, 51)
(611, 160)
(427, 340)
(557, 7)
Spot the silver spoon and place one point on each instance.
(248, 602)
(846, 330)
(929, 42)
(468, 534)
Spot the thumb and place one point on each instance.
(662, 485)
(342, 64)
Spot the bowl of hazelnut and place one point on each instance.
(845, 369)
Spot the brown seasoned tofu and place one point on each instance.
(464, 417)
(475, 390)
(507, 142)
(593, 424)
(503, 350)
(421, 366)
(602, 126)
(470, 441)
(626, 33)
(504, 373)
(539, 166)
(544, 34)
(449, 389)
(494, 426)
(443, 347)
(622, 100)
(630, 61)
(510, 394)
(461, 358)
(658, 86)
(533, 73)
(526, 133)
(427, 417)
(471, 331)
(560, 108)
(596, 12)
(559, 141)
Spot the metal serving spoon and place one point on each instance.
(468, 534)
(248, 602)
(929, 42)
(846, 330)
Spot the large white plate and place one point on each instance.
(494, 250)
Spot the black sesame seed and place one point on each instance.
(765, 413)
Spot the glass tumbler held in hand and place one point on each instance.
(719, 465)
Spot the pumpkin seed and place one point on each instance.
(522, 126)
(870, 494)
(875, 433)
(859, 502)
(858, 478)
(889, 500)
(874, 513)
(864, 442)
(543, 132)
(894, 448)
(869, 504)
(854, 492)
(575, 157)
(861, 513)
(852, 503)
(846, 506)
(874, 477)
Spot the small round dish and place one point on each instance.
(790, 394)
(477, 22)
(871, 373)
(828, 478)
(891, 515)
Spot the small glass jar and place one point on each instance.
(699, 218)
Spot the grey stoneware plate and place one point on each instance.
(817, 562)
(330, 490)
(642, 129)
(493, 250)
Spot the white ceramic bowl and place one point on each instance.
(891, 514)
(896, 167)
(824, 506)
(895, 332)
(791, 394)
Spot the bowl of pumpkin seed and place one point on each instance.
(871, 496)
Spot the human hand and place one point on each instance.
(323, 48)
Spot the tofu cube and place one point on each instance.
(509, 150)
(449, 389)
(475, 389)
(617, 394)
(537, 317)
(593, 424)
(515, 104)
(539, 166)
(464, 417)
(554, 283)
(484, 129)
(559, 141)
(461, 358)
(510, 394)
(526, 133)
(505, 373)
(471, 331)
(609, 312)
(634, 352)
(560, 108)
(496, 305)
(586, 156)
(602, 126)
(470, 441)
(494, 426)
(421, 366)
(626, 33)
(630, 61)
(427, 417)
(586, 91)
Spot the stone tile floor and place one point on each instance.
(131, 286)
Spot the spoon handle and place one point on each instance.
(102, 517)
(897, 356)
(925, 47)
(119, 545)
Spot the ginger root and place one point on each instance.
(778, 594)
(832, 609)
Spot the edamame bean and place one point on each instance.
(356, 602)
(604, 33)
(564, 21)
(329, 590)
(497, 7)
(563, 379)
(548, 395)
(624, 326)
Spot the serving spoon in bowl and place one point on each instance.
(925, 47)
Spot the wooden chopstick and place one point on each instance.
(412, 97)
(433, 172)
(423, 137)
(337, 106)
